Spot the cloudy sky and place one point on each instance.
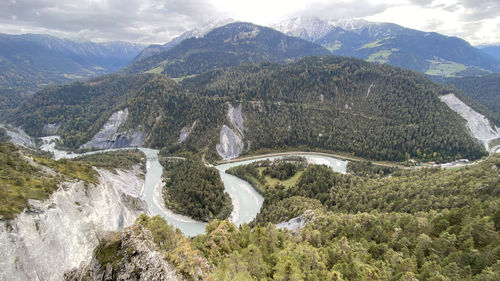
(158, 21)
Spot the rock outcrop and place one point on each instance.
(298, 222)
(235, 117)
(479, 126)
(185, 132)
(109, 137)
(58, 234)
(129, 255)
(50, 129)
(230, 145)
(17, 136)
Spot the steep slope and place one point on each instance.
(78, 110)
(478, 125)
(67, 206)
(229, 45)
(130, 255)
(484, 89)
(427, 52)
(29, 62)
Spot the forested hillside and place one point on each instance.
(225, 46)
(317, 103)
(79, 109)
(341, 104)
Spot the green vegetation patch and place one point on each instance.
(21, 181)
(157, 70)
(444, 68)
(332, 47)
(267, 175)
(195, 190)
(109, 250)
(375, 44)
(381, 56)
(121, 159)
(70, 168)
(368, 169)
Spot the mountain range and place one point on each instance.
(229, 45)
(30, 62)
(427, 52)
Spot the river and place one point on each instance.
(246, 200)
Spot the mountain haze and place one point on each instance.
(30, 62)
(493, 51)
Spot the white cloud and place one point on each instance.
(157, 21)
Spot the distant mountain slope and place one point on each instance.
(317, 103)
(484, 89)
(29, 62)
(493, 51)
(225, 46)
(428, 52)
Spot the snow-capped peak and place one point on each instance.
(349, 24)
(309, 28)
(203, 30)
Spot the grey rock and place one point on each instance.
(298, 222)
(185, 132)
(479, 126)
(231, 145)
(50, 129)
(140, 260)
(58, 234)
(109, 137)
(236, 118)
(18, 136)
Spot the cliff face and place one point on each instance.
(129, 255)
(17, 136)
(58, 234)
(109, 137)
(479, 126)
(231, 143)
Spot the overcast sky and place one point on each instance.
(158, 21)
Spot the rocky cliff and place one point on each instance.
(129, 255)
(109, 137)
(58, 234)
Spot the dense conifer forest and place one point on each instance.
(195, 190)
